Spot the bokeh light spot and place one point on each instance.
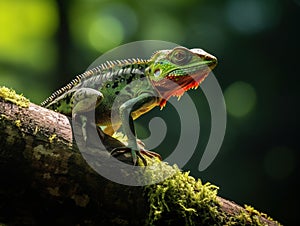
(279, 162)
(163, 27)
(240, 98)
(297, 2)
(106, 33)
(252, 16)
(124, 14)
(101, 29)
(26, 25)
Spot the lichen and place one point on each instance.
(11, 96)
(191, 201)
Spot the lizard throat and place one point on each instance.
(174, 85)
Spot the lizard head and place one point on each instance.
(172, 72)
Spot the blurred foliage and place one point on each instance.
(43, 44)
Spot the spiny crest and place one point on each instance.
(94, 71)
(157, 51)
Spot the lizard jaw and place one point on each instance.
(177, 85)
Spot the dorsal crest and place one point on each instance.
(101, 69)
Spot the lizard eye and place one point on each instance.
(180, 56)
(157, 72)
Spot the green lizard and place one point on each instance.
(127, 89)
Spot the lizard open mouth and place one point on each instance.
(176, 85)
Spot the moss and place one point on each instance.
(36, 130)
(18, 123)
(244, 218)
(250, 216)
(254, 215)
(41, 150)
(2, 116)
(51, 138)
(54, 191)
(254, 212)
(182, 199)
(47, 176)
(11, 96)
(81, 200)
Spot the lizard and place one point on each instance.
(127, 89)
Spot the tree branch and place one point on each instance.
(45, 180)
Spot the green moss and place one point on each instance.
(81, 200)
(244, 218)
(182, 199)
(254, 212)
(250, 216)
(254, 215)
(18, 123)
(2, 116)
(11, 96)
(54, 191)
(52, 137)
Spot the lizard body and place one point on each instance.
(126, 89)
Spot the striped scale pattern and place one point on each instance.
(104, 69)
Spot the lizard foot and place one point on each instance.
(151, 154)
(121, 150)
(148, 153)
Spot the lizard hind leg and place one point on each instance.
(85, 100)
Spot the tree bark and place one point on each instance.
(46, 181)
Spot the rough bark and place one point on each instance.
(45, 180)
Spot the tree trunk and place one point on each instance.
(46, 181)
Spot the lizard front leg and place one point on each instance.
(125, 111)
(86, 99)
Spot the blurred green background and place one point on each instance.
(44, 44)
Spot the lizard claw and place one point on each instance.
(121, 150)
(151, 154)
(148, 153)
